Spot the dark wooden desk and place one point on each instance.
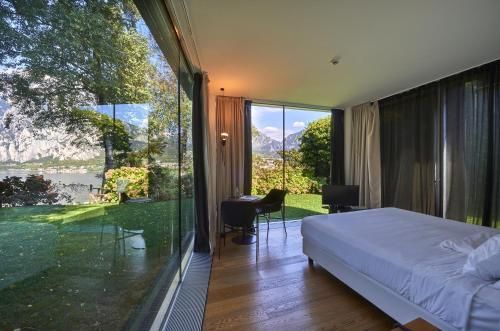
(244, 238)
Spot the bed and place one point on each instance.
(393, 258)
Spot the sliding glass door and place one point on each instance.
(291, 151)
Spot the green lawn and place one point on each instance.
(298, 206)
(69, 265)
(72, 265)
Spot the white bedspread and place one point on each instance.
(401, 250)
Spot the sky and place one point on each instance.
(135, 114)
(269, 120)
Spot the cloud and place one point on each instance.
(273, 132)
(265, 109)
(298, 125)
(270, 129)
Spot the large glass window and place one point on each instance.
(291, 150)
(96, 180)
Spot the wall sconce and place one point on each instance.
(223, 138)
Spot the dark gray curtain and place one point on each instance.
(494, 219)
(247, 171)
(337, 171)
(470, 101)
(202, 243)
(410, 150)
(458, 116)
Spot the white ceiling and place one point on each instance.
(280, 49)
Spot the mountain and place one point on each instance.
(292, 141)
(263, 144)
(20, 141)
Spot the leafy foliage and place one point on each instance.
(159, 183)
(70, 53)
(64, 55)
(315, 147)
(137, 185)
(108, 128)
(268, 174)
(34, 190)
(163, 183)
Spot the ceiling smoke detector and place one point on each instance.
(335, 60)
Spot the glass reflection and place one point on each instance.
(90, 220)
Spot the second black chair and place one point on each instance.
(239, 215)
(272, 202)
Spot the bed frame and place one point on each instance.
(390, 302)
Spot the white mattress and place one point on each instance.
(400, 249)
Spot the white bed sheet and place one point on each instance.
(401, 249)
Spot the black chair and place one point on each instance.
(238, 214)
(272, 202)
(340, 198)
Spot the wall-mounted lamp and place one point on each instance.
(223, 138)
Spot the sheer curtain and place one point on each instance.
(410, 153)
(470, 102)
(365, 154)
(494, 215)
(448, 130)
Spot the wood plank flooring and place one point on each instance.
(281, 291)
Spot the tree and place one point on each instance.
(315, 147)
(14, 191)
(6, 191)
(60, 56)
(113, 134)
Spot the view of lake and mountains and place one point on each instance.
(72, 162)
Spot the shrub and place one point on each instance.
(34, 190)
(137, 185)
(268, 174)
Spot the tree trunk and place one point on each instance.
(109, 162)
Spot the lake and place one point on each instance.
(80, 180)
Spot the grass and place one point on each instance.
(298, 206)
(70, 266)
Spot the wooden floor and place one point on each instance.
(282, 292)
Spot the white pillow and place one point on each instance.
(484, 261)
